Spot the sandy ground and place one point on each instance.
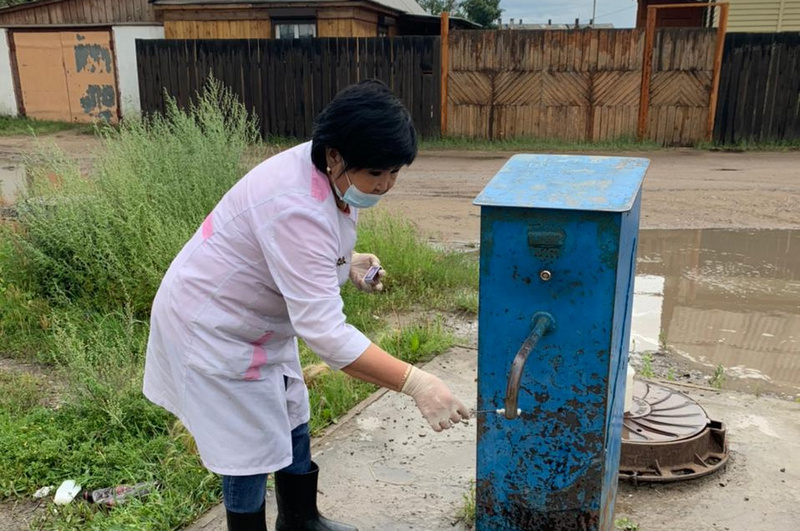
(683, 189)
(79, 146)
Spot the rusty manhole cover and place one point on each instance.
(667, 436)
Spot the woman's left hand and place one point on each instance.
(359, 266)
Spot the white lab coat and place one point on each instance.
(264, 268)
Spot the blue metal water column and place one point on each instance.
(558, 252)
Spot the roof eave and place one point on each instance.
(161, 5)
(29, 5)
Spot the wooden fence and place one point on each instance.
(579, 85)
(287, 83)
(759, 94)
(680, 86)
(572, 85)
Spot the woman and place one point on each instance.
(265, 268)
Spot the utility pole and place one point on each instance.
(594, 12)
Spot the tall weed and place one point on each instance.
(106, 240)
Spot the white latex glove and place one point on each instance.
(433, 398)
(359, 265)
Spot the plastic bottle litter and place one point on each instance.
(66, 492)
(112, 496)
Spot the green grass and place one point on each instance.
(647, 366)
(467, 301)
(25, 126)
(78, 270)
(466, 513)
(718, 378)
(19, 392)
(544, 145)
(765, 145)
(626, 524)
(536, 145)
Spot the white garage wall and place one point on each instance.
(125, 47)
(8, 101)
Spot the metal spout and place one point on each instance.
(543, 323)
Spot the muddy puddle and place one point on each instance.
(728, 298)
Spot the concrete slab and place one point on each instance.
(384, 469)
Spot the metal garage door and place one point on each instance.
(67, 75)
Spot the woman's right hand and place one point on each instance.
(433, 398)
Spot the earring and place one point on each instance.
(328, 168)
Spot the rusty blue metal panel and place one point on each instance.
(554, 467)
(621, 333)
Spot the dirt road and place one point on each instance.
(683, 189)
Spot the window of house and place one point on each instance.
(295, 29)
(383, 31)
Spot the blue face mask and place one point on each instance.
(355, 197)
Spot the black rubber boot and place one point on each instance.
(296, 495)
(256, 521)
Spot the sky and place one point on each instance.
(621, 13)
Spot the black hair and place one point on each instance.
(368, 126)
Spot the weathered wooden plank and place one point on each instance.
(144, 70)
(170, 74)
(561, 50)
(266, 86)
(157, 82)
(326, 72)
(301, 110)
(775, 57)
(126, 12)
(603, 54)
(272, 84)
(786, 124)
(315, 79)
(54, 13)
(286, 107)
(437, 89)
(578, 51)
(138, 9)
(309, 89)
(108, 12)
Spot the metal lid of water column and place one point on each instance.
(566, 182)
(667, 437)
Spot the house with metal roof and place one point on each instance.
(291, 19)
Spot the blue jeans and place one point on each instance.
(245, 494)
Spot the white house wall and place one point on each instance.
(8, 101)
(125, 47)
(763, 16)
